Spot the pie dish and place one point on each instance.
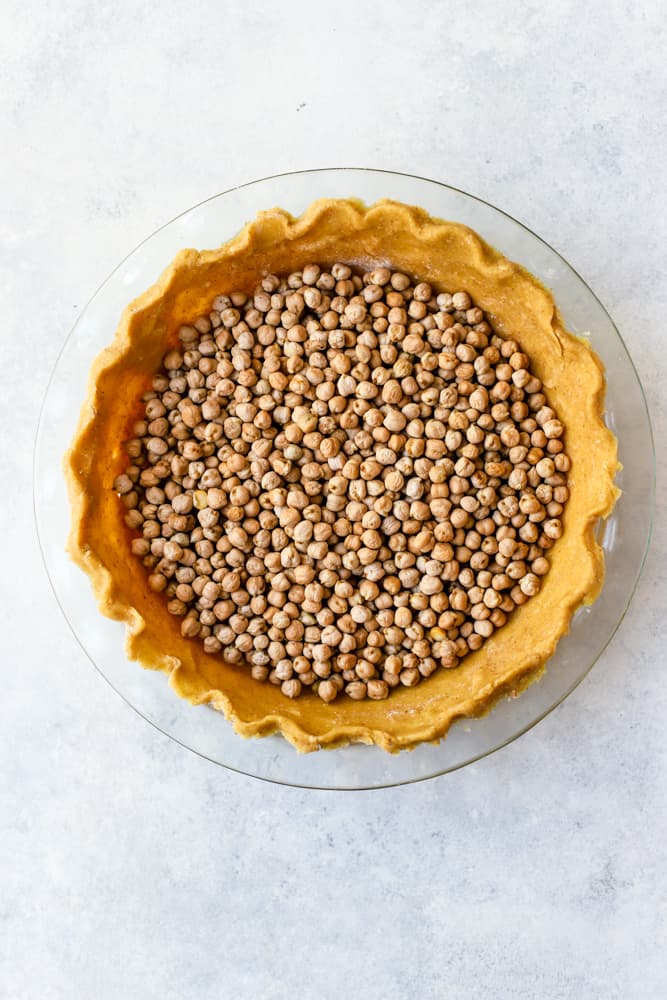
(447, 255)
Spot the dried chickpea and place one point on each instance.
(346, 481)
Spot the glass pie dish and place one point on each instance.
(625, 535)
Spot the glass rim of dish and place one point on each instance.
(54, 565)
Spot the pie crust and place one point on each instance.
(449, 256)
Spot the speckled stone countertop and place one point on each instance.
(131, 868)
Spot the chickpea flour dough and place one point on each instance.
(340, 477)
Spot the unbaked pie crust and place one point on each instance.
(449, 256)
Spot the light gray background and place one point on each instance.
(129, 867)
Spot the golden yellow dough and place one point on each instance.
(449, 256)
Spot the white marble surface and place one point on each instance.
(129, 868)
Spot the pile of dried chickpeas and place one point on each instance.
(344, 481)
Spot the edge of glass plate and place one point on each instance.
(542, 715)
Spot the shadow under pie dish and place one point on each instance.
(448, 257)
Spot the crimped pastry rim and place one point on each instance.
(407, 238)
